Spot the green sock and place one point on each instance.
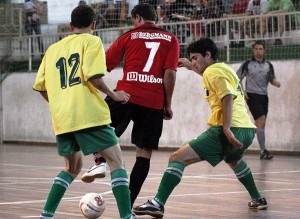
(119, 183)
(244, 175)
(169, 181)
(61, 182)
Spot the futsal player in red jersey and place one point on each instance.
(150, 61)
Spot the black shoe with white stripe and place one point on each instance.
(149, 208)
(259, 204)
(266, 155)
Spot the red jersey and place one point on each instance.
(147, 50)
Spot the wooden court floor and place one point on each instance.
(27, 172)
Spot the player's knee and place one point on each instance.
(74, 171)
(144, 152)
(233, 165)
(115, 163)
(175, 156)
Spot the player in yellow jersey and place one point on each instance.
(231, 131)
(70, 78)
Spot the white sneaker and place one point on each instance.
(95, 171)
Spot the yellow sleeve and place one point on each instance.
(39, 84)
(94, 62)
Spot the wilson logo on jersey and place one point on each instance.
(135, 76)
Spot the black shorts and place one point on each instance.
(258, 104)
(147, 122)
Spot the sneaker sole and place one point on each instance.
(266, 158)
(155, 214)
(89, 179)
(262, 207)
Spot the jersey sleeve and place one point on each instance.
(271, 73)
(173, 55)
(39, 84)
(242, 71)
(222, 87)
(94, 62)
(114, 54)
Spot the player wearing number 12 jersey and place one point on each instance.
(150, 61)
(69, 78)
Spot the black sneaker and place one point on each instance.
(259, 204)
(149, 208)
(266, 155)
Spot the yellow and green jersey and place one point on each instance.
(64, 73)
(219, 80)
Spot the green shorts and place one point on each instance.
(213, 146)
(88, 140)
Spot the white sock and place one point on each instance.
(155, 203)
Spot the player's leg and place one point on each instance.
(68, 148)
(244, 175)
(120, 116)
(139, 172)
(234, 158)
(207, 147)
(119, 180)
(171, 178)
(146, 133)
(104, 140)
(258, 106)
(97, 170)
(260, 133)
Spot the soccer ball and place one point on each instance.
(92, 205)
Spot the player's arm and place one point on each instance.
(99, 83)
(169, 84)
(276, 83)
(241, 73)
(114, 54)
(244, 91)
(184, 62)
(227, 107)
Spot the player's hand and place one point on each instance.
(168, 113)
(277, 83)
(231, 138)
(121, 96)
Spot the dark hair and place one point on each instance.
(202, 46)
(146, 11)
(82, 2)
(259, 42)
(82, 16)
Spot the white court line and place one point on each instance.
(77, 198)
(157, 174)
(42, 201)
(232, 174)
(42, 181)
(152, 178)
(36, 167)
